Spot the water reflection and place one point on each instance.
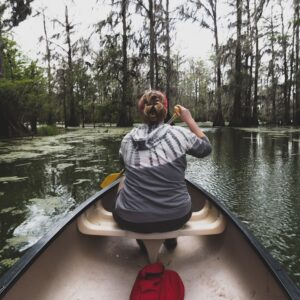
(255, 172)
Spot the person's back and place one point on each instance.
(154, 197)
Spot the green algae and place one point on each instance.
(13, 211)
(41, 146)
(12, 179)
(64, 166)
(8, 262)
(7, 210)
(18, 242)
(85, 169)
(80, 181)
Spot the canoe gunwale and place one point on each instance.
(12, 275)
(278, 270)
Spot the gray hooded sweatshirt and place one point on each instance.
(155, 163)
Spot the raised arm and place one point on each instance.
(186, 117)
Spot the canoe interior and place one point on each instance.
(77, 266)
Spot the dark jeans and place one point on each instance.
(162, 226)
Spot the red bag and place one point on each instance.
(155, 283)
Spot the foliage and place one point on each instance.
(48, 130)
(23, 94)
(255, 73)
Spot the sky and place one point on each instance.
(191, 40)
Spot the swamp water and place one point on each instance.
(254, 172)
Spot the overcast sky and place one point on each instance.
(190, 39)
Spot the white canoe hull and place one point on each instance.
(69, 265)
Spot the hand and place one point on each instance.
(183, 113)
(186, 117)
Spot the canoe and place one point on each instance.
(76, 260)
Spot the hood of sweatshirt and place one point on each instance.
(147, 136)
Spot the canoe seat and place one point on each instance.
(98, 221)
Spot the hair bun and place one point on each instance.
(153, 104)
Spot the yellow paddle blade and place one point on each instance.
(110, 179)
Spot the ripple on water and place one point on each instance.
(42, 214)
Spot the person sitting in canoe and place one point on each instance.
(153, 196)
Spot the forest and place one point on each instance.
(252, 78)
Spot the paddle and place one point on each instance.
(109, 179)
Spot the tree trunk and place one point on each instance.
(257, 65)
(247, 117)
(82, 113)
(156, 64)
(48, 55)
(297, 68)
(286, 99)
(292, 61)
(273, 76)
(1, 53)
(73, 121)
(168, 50)
(152, 43)
(125, 106)
(236, 119)
(218, 118)
(50, 117)
(33, 124)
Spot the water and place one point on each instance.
(255, 172)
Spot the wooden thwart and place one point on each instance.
(98, 221)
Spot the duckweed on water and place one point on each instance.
(13, 211)
(21, 243)
(7, 210)
(8, 262)
(39, 146)
(86, 169)
(12, 179)
(64, 166)
(80, 181)
(13, 156)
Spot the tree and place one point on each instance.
(283, 40)
(35, 97)
(151, 19)
(19, 10)
(48, 58)
(69, 51)
(73, 121)
(22, 93)
(248, 68)
(257, 14)
(297, 61)
(168, 58)
(193, 89)
(125, 118)
(272, 72)
(236, 119)
(210, 9)
(115, 45)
